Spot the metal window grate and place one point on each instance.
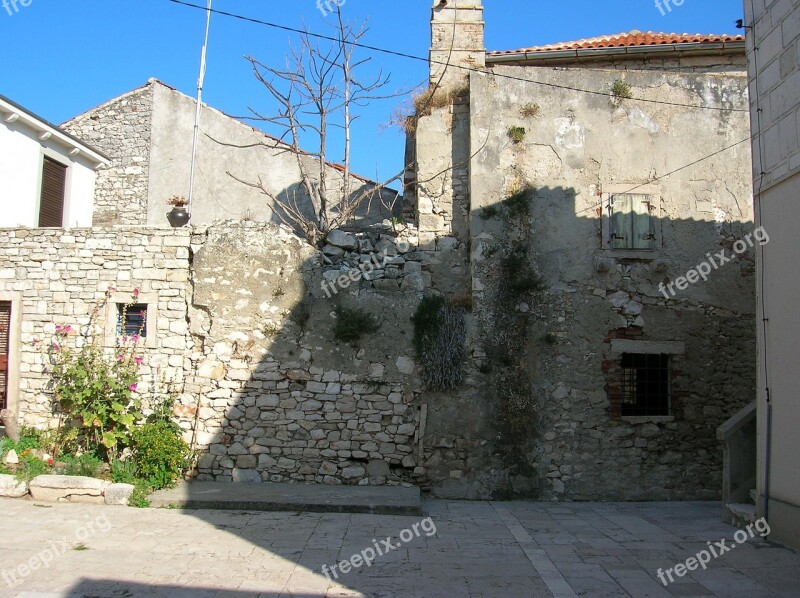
(132, 319)
(645, 385)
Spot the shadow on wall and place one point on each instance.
(283, 400)
(539, 416)
(285, 394)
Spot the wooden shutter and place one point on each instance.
(631, 224)
(51, 206)
(642, 223)
(621, 226)
(5, 323)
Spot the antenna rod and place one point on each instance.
(200, 81)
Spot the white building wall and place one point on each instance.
(21, 159)
(773, 44)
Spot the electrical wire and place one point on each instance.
(454, 66)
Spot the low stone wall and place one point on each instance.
(243, 317)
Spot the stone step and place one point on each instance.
(742, 514)
(317, 498)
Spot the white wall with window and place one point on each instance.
(47, 177)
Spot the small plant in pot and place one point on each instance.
(179, 215)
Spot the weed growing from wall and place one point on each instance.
(621, 90)
(516, 134)
(440, 333)
(352, 324)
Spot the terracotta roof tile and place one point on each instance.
(627, 40)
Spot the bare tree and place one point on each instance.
(319, 89)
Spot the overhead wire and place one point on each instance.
(453, 66)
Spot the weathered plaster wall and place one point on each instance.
(549, 359)
(148, 134)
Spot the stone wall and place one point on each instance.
(122, 129)
(61, 276)
(540, 415)
(243, 337)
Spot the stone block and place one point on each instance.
(118, 494)
(10, 487)
(62, 488)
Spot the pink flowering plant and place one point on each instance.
(94, 389)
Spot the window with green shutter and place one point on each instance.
(632, 226)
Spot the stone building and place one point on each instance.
(148, 133)
(562, 209)
(588, 178)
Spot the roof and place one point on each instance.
(11, 112)
(631, 39)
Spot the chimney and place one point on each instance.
(457, 40)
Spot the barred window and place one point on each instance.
(645, 384)
(132, 319)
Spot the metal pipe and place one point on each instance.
(200, 81)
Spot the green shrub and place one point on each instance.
(352, 324)
(124, 472)
(95, 390)
(426, 322)
(140, 493)
(85, 465)
(159, 452)
(29, 467)
(488, 212)
(519, 203)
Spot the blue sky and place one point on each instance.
(60, 58)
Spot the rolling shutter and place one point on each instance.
(51, 206)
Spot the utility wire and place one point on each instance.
(454, 66)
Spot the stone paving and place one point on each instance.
(500, 549)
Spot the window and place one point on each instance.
(631, 225)
(645, 386)
(5, 325)
(51, 203)
(132, 319)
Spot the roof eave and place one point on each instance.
(12, 112)
(626, 52)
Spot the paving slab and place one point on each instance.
(312, 498)
(477, 550)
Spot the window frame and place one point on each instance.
(631, 387)
(607, 220)
(49, 156)
(116, 299)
